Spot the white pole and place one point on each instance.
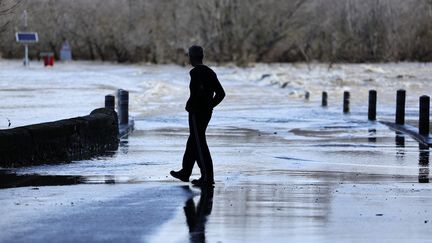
(26, 59)
(25, 18)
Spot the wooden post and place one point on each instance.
(400, 107)
(372, 105)
(123, 106)
(346, 102)
(424, 112)
(324, 99)
(109, 102)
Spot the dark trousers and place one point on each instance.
(196, 147)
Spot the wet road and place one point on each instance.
(286, 170)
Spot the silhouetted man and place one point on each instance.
(206, 92)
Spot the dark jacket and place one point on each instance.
(206, 92)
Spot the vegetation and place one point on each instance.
(6, 7)
(238, 31)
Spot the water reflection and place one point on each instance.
(423, 159)
(372, 138)
(400, 145)
(124, 145)
(9, 179)
(423, 163)
(196, 216)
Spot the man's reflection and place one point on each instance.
(423, 163)
(196, 217)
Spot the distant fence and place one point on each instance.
(420, 134)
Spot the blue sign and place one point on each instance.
(26, 37)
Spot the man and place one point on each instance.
(206, 92)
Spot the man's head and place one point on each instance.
(196, 55)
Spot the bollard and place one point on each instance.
(109, 102)
(372, 105)
(424, 112)
(123, 106)
(346, 102)
(400, 107)
(324, 99)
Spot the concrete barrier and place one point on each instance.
(60, 141)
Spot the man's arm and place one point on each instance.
(219, 92)
(194, 92)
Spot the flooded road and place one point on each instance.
(285, 168)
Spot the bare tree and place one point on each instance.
(238, 31)
(6, 8)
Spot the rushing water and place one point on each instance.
(277, 156)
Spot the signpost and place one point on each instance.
(26, 38)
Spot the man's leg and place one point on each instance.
(205, 149)
(207, 159)
(189, 157)
(195, 131)
(200, 123)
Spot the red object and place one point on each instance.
(51, 61)
(48, 60)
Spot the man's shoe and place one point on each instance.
(179, 175)
(202, 182)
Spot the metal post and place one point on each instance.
(372, 105)
(109, 102)
(346, 102)
(324, 99)
(25, 18)
(26, 58)
(123, 101)
(424, 112)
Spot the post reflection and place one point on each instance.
(372, 138)
(124, 145)
(400, 145)
(423, 163)
(196, 216)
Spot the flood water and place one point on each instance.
(285, 168)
